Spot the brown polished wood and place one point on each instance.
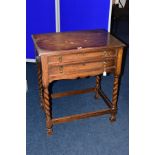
(98, 86)
(79, 54)
(74, 92)
(80, 116)
(105, 98)
(40, 83)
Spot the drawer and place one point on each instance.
(81, 56)
(105, 65)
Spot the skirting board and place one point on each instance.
(31, 60)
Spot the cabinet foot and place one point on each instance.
(113, 118)
(49, 132)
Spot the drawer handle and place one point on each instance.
(60, 58)
(105, 53)
(61, 69)
(79, 48)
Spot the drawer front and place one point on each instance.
(107, 65)
(81, 56)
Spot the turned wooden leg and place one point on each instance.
(98, 86)
(114, 98)
(47, 108)
(40, 85)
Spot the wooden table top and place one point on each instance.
(77, 40)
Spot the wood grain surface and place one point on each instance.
(77, 40)
(79, 54)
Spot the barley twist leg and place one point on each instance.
(98, 86)
(40, 85)
(47, 109)
(114, 98)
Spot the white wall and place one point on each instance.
(122, 1)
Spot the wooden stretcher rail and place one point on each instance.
(105, 98)
(75, 92)
(79, 116)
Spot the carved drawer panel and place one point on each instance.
(81, 56)
(105, 65)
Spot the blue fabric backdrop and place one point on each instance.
(40, 18)
(84, 14)
(74, 15)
